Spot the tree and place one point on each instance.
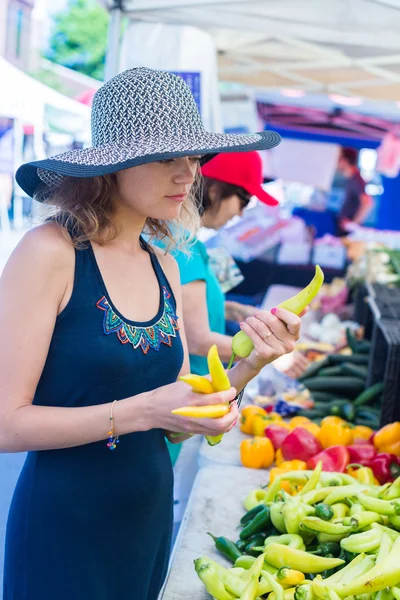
(79, 38)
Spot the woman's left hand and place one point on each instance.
(234, 311)
(273, 334)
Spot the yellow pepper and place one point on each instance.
(335, 434)
(361, 432)
(279, 457)
(332, 419)
(286, 467)
(247, 417)
(298, 422)
(219, 378)
(387, 439)
(364, 475)
(210, 411)
(199, 384)
(257, 453)
(260, 422)
(311, 428)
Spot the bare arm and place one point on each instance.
(195, 315)
(32, 289)
(366, 204)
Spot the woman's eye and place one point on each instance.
(167, 161)
(195, 159)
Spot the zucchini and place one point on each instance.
(330, 371)
(368, 412)
(354, 370)
(356, 359)
(312, 413)
(314, 368)
(368, 423)
(338, 407)
(318, 396)
(369, 395)
(348, 386)
(363, 347)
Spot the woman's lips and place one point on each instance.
(177, 198)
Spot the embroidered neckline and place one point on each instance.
(161, 332)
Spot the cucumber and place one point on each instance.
(346, 386)
(339, 407)
(314, 368)
(356, 359)
(330, 371)
(312, 413)
(369, 395)
(363, 347)
(354, 370)
(318, 396)
(348, 412)
(351, 340)
(368, 412)
(368, 423)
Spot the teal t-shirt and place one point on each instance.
(196, 267)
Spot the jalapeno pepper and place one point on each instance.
(226, 547)
(260, 523)
(249, 516)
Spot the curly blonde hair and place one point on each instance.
(83, 208)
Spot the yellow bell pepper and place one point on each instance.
(311, 428)
(257, 453)
(387, 439)
(335, 434)
(361, 432)
(247, 415)
(298, 422)
(364, 475)
(332, 419)
(286, 467)
(279, 457)
(260, 422)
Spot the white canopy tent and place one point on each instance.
(348, 47)
(29, 102)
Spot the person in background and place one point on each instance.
(230, 181)
(357, 204)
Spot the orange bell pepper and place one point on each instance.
(298, 422)
(257, 453)
(260, 422)
(361, 432)
(387, 439)
(247, 415)
(335, 434)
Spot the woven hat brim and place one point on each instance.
(110, 158)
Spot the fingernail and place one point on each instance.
(274, 311)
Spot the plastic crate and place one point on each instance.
(384, 365)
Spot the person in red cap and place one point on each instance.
(230, 181)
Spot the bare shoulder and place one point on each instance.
(47, 244)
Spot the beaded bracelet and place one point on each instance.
(113, 439)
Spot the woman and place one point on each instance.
(93, 343)
(230, 180)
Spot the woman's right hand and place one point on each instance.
(165, 399)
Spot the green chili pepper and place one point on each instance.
(287, 539)
(249, 516)
(293, 512)
(241, 544)
(226, 547)
(317, 525)
(255, 540)
(361, 520)
(260, 522)
(327, 548)
(324, 511)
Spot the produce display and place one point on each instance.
(335, 538)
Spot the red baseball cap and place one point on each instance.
(243, 169)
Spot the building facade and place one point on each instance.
(16, 32)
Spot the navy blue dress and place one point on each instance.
(88, 523)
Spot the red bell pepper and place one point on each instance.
(362, 454)
(386, 467)
(335, 459)
(300, 444)
(276, 434)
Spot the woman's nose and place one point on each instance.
(186, 172)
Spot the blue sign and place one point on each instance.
(193, 81)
